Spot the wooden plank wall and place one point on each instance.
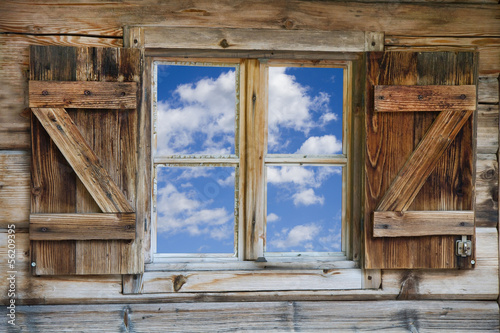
(409, 300)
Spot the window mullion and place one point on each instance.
(253, 136)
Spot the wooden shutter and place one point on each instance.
(83, 131)
(420, 159)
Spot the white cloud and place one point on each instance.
(181, 212)
(273, 217)
(296, 175)
(298, 236)
(228, 181)
(201, 113)
(307, 198)
(315, 145)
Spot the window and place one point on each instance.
(250, 159)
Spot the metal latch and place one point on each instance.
(464, 247)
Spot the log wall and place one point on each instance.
(413, 301)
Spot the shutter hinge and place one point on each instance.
(464, 247)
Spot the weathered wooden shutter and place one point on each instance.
(83, 131)
(420, 159)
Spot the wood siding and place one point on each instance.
(408, 300)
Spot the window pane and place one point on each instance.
(196, 107)
(304, 207)
(195, 209)
(305, 110)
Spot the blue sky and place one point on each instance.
(196, 115)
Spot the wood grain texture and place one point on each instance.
(488, 47)
(421, 163)
(63, 131)
(478, 284)
(255, 39)
(82, 226)
(423, 223)
(302, 316)
(488, 89)
(449, 187)
(394, 18)
(487, 191)
(15, 189)
(111, 136)
(83, 94)
(252, 151)
(487, 129)
(424, 98)
(260, 280)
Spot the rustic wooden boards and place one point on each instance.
(110, 135)
(387, 316)
(391, 138)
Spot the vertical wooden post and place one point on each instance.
(133, 37)
(253, 147)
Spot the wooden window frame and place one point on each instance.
(279, 273)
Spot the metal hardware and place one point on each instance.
(33, 264)
(464, 247)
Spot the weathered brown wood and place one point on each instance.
(253, 146)
(424, 98)
(220, 281)
(487, 191)
(85, 163)
(83, 94)
(487, 89)
(258, 39)
(423, 223)
(412, 176)
(488, 47)
(478, 284)
(393, 18)
(112, 137)
(388, 316)
(449, 186)
(82, 226)
(14, 189)
(487, 129)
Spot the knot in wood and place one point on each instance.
(44, 229)
(135, 41)
(87, 93)
(463, 96)
(288, 24)
(122, 93)
(420, 97)
(45, 92)
(381, 97)
(224, 44)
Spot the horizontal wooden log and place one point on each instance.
(488, 89)
(435, 19)
(422, 223)
(256, 39)
(421, 162)
(425, 98)
(82, 226)
(82, 159)
(83, 94)
(300, 316)
(487, 129)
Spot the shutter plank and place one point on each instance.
(425, 98)
(83, 94)
(84, 162)
(82, 226)
(423, 160)
(423, 223)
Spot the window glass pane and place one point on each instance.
(195, 209)
(195, 110)
(305, 110)
(304, 208)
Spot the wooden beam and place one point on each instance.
(82, 226)
(82, 159)
(424, 98)
(422, 161)
(261, 39)
(83, 94)
(423, 223)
